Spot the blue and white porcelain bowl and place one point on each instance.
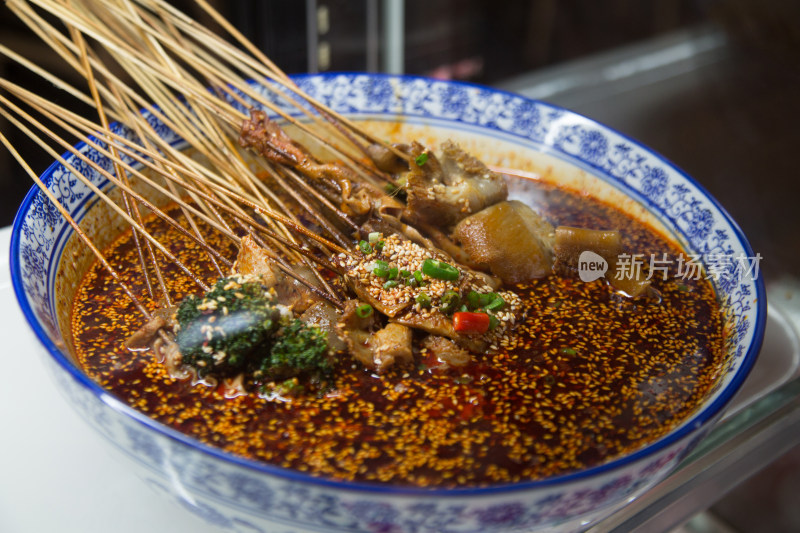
(504, 130)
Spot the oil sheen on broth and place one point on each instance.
(587, 376)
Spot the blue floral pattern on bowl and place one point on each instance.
(245, 496)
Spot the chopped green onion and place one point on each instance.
(463, 308)
(488, 298)
(392, 283)
(379, 245)
(380, 268)
(496, 304)
(439, 270)
(393, 273)
(450, 302)
(363, 310)
(493, 322)
(374, 237)
(423, 299)
(473, 299)
(365, 248)
(421, 159)
(418, 277)
(404, 273)
(568, 351)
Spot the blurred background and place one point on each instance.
(713, 85)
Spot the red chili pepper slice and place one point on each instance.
(467, 322)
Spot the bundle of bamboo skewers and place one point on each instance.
(195, 83)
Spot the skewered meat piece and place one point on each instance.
(325, 317)
(378, 350)
(386, 160)
(447, 351)
(268, 139)
(509, 238)
(391, 345)
(440, 325)
(254, 260)
(443, 190)
(571, 242)
(143, 338)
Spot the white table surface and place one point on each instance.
(56, 473)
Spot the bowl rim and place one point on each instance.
(699, 419)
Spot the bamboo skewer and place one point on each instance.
(193, 81)
(145, 160)
(167, 193)
(75, 226)
(286, 268)
(240, 170)
(125, 187)
(215, 79)
(173, 189)
(96, 190)
(132, 112)
(132, 209)
(114, 44)
(339, 250)
(281, 264)
(276, 72)
(197, 137)
(221, 139)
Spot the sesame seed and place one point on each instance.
(630, 375)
